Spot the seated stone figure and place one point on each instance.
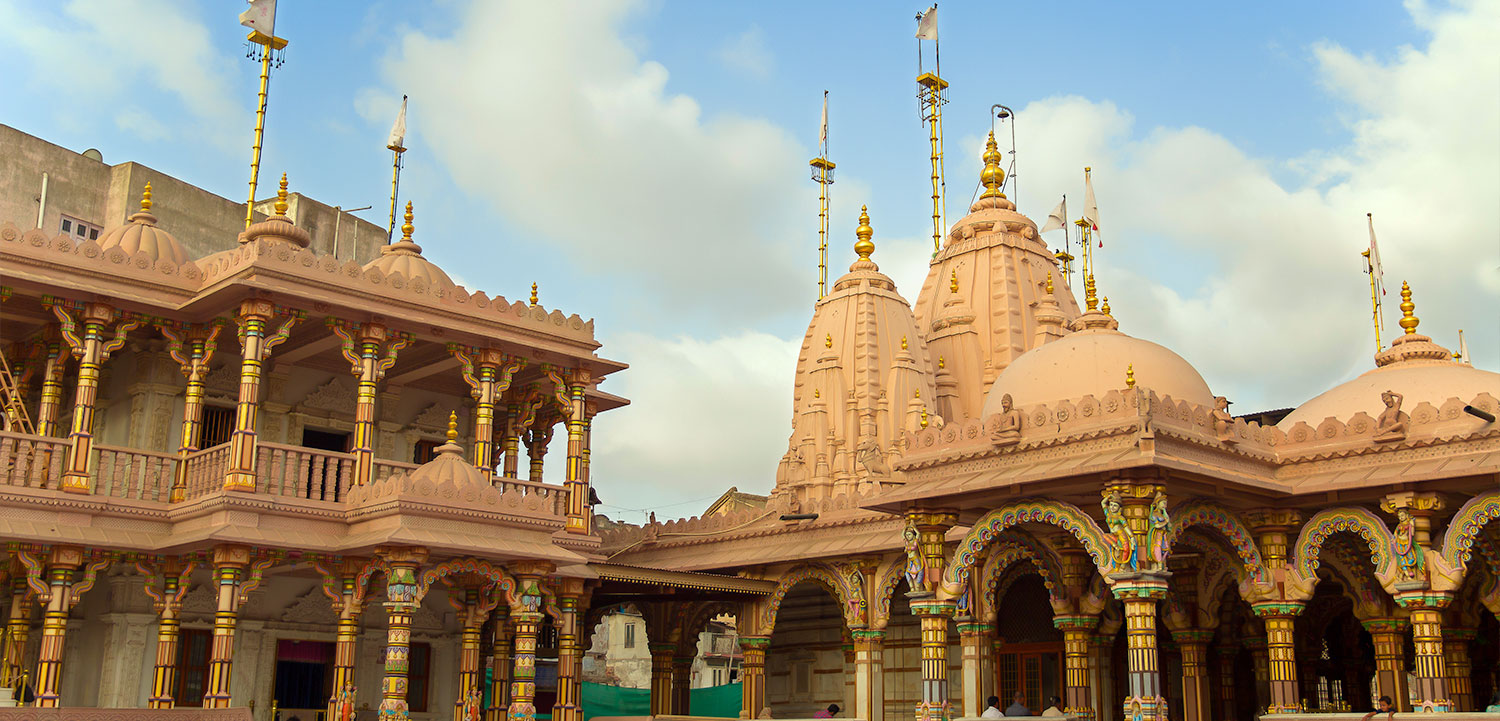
(1006, 429)
(1393, 423)
(1223, 422)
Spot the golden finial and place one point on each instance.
(1130, 376)
(817, 393)
(1090, 297)
(407, 228)
(828, 340)
(1049, 282)
(1408, 321)
(146, 198)
(917, 393)
(924, 417)
(903, 342)
(1105, 308)
(941, 364)
(452, 426)
(953, 281)
(533, 294)
(864, 246)
(281, 197)
(993, 176)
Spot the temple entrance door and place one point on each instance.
(1034, 669)
(304, 672)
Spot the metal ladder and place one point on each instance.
(16, 417)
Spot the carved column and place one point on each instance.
(753, 675)
(90, 346)
(1077, 632)
(934, 615)
(1460, 669)
(371, 350)
(1426, 609)
(869, 674)
(661, 678)
(256, 341)
(682, 680)
(55, 364)
(1227, 711)
(499, 665)
(537, 439)
(17, 630)
(61, 596)
(472, 614)
(166, 584)
(1140, 594)
(527, 620)
(229, 569)
(580, 517)
(402, 595)
(346, 592)
(974, 642)
(1197, 696)
(1260, 662)
(1281, 651)
(511, 441)
(1389, 638)
(570, 647)
(192, 347)
(1101, 676)
(488, 373)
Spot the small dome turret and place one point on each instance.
(140, 234)
(448, 464)
(405, 257)
(278, 227)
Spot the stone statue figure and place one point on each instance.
(346, 703)
(1124, 541)
(1392, 423)
(1409, 557)
(1223, 422)
(1007, 432)
(472, 707)
(872, 459)
(914, 576)
(1159, 530)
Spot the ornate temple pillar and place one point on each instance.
(682, 681)
(192, 347)
(402, 600)
(229, 568)
(1197, 695)
(1281, 652)
(54, 366)
(1227, 711)
(570, 648)
(1260, 662)
(537, 439)
(348, 603)
(371, 350)
(511, 442)
(256, 341)
(472, 615)
(1460, 669)
(974, 642)
(934, 615)
(61, 565)
(166, 584)
(499, 665)
(489, 373)
(869, 674)
(1101, 678)
(527, 620)
(753, 675)
(17, 631)
(1140, 593)
(580, 516)
(661, 677)
(1426, 609)
(1077, 632)
(92, 349)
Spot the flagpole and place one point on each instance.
(269, 45)
(1374, 286)
(396, 150)
(822, 174)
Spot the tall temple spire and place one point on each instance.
(993, 176)
(864, 247)
(1408, 321)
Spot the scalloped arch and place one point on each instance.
(1056, 513)
(848, 595)
(1223, 520)
(1358, 521)
(1002, 557)
(456, 566)
(1465, 527)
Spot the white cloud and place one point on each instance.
(110, 51)
(704, 415)
(747, 53)
(579, 140)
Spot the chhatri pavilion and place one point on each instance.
(225, 475)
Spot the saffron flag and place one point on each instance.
(823, 131)
(1373, 261)
(261, 17)
(1090, 206)
(1058, 217)
(927, 25)
(398, 131)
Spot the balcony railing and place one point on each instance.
(32, 461)
(129, 473)
(303, 472)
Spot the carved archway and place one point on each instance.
(1357, 521)
(468, 565)
(845, 584)
(999, 565)
(1199, 512)
(1055, 513)
(1465, 527)
(887, 579)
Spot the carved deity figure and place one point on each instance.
(346, 703)
(1159, 530)
(872, 459)
(1392, 423)
(1223, 422)
(1124, 540)
(912, 539)
(1007, 432)
(1409, 557)
(473, 708)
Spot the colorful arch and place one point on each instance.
(1206, 513)
(1465, 527)
(1001, 559)
(1358, 521)
(885, 589)
(1055, 513)
(847, 590)
(470, 565)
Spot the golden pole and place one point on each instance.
(395, 183)
(268, 45)
(1374, 300)
(823, 175)
(931, 94)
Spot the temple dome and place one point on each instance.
(1093, 360)
(863, 378)
(448, 464)
(405, 257)
(278, 227)
(141, 235)
(1414, 366)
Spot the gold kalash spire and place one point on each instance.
(993, 176)
(269, 50)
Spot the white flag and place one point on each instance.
(823, 132)
(1057, 219)
(1463, 349)
(927, 25)
(398, 131)
(1090, 206)
(261, 17)
(1376, 272)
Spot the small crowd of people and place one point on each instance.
(1018, 707)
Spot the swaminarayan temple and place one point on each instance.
(265, 480)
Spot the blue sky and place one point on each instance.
(645, 163)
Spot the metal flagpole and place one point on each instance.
(269, 46)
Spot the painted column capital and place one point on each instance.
(1277, 609)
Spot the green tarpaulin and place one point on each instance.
(601, 700)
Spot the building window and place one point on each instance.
(417, 679)
(218, 424)
(424, 451)
(79, 230)
(192, 666)
(629, 635)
